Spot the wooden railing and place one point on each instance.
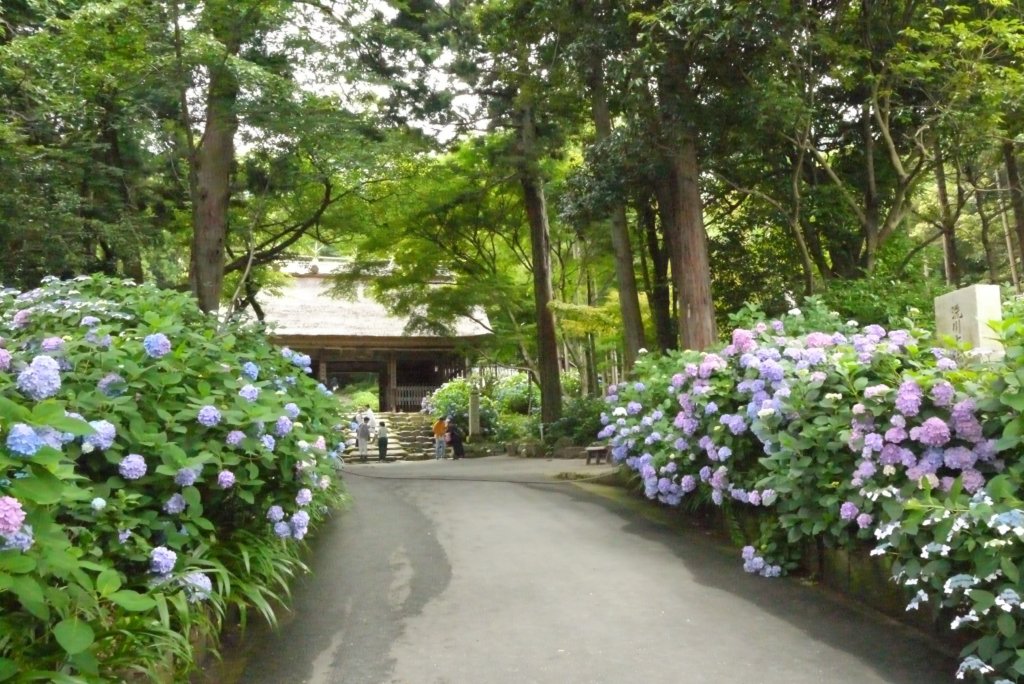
(410, 397)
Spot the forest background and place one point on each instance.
(600, 176)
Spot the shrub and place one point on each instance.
(580, 421)
(838, 436)
(155, 465)
(451, 400)
(516, 394)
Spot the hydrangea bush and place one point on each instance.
(156, 466)
(838, 433)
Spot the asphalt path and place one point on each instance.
(474, 572)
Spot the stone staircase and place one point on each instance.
(410, 438)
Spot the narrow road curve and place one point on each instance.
(435, 581)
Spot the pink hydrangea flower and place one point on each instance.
(12, 516)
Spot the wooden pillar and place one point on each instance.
(321, 367)
(392, 376)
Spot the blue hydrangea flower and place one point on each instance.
(103, 435)
(112, 385)
(283, 426)
(268, 442)
(132, 467)
(197, 586)
(275, 514)
(21, 540)
(249, 392)
(225, 479)
(234, 438)
(292, 410)
(40, 379)
(89, 321)
(162, 560)
(250, 370)
(186, 477)
(208, 416)
(282, 529)
(175, 505)
(156, 345)
(304, 497)
(23, 440)
(124, 535)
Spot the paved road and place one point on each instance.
(433, 581)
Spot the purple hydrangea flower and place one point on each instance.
(959, 458)
(768, 497)
(275, 514)
(103, 435)
(197, 585)
(208, 416)
(23, 440)
(132, 467)
(249, 392)
(283, 426)
(282, 529)
(225, 479)
(292, 410)
(299, 524)
(946, 364)
(688, 483)
(156, 345)
(864, 520)
(12, 515)
(112, 385)
(186, 477)
(943, 393)
(162, 560)
(250, 370)
(5, 359)
(303, 497)
(633, 408)
(20, 319)
(89, 321)
(908, 398)
(50, 344)
(932, 432)
(40, 379)
(268, 442)
(234, 438)
(848, 511)
(175, 505)
(124, 535)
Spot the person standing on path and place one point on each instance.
(382, 442)
(440, 446)
(363, 439)
(455, 439)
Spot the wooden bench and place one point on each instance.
(598, 453)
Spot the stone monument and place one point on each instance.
(965, 315)
(474, 410)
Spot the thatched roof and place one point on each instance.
(305, 309)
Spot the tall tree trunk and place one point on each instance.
(986, 225)
(592, 387)
(693, 278)
(691, 269)
(947, 221)
(214, 158)
(622, 251)
(659, 292)
(1016, 196)
(536, 213)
